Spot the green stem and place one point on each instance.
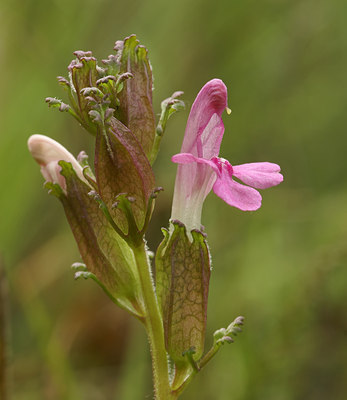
(156, 144)
(154, 327)
(209, 355)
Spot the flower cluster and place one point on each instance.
(109, 205)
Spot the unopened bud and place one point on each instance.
(47, 153)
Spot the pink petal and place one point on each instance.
(260, 175)
(194, 181)
(205, 127)
(183, 158)
(208, 143)
(51, 173)
(243, 197)
(187, 158)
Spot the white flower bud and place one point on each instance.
(47, 153)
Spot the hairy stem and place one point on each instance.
(154, 327)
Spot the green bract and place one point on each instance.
(104, 252)
(135, 100)
(121, 167)
(182, 281)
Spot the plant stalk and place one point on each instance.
(154, 327)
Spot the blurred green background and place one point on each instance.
(282, 267)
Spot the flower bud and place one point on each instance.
(47, 152)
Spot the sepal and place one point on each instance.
(112, 85)
(112, 65)
(54, 189)
(184, 375)
(222, 336)
(78, 266)
(57, 103)
(169, 107)
(88, 174)
(125, 305)
(83, 74)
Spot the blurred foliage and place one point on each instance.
(283, 267)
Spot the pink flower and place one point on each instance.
(200, 169)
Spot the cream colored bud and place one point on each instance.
(47, 153)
